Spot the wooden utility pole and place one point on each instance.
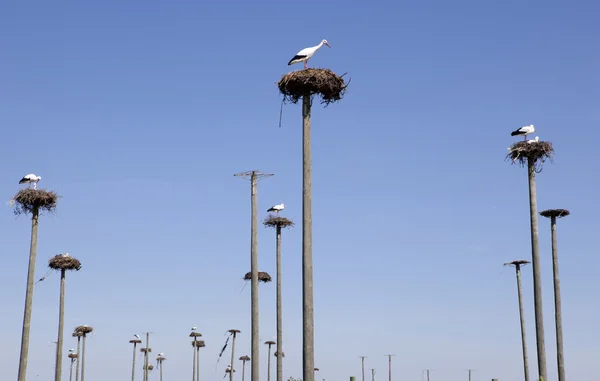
(517, 265)
(362, 358)
(553, 214)
(254, 176)
(390, 366)
(308, 320)
(537, 272)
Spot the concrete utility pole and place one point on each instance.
(363, 366)
(517, 265)
(372, 374)
(390, 366)
(254, 176)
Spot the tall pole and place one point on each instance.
(28, 297)
(560, 359)
(135, 342)
(517, 265)
(363, 366)
(146, 356)
(234, 333)
(198, 361)
(428, 375)
(61, 321)
(254, 176)
(372, 374)
(537, 273)
(78, 354)
(71, 369)
(308, 321)
(83, 357)
(470, 374)
(194, 378)
(279, 307)
(390, 367)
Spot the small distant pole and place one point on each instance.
(363, 366)
(372, 374)
(390, 366)
(517, 265)
(254, 176)
(470, 370)
(553, 214)
(428, 375)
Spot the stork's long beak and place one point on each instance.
(328, 44)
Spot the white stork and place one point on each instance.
(305, 54)
(536, 140)
(30, 178)
(194, 328)
(276, 208)
(523, 131)
(137, 336)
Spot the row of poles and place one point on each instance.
(147, 367)
(553, 215)
(362, 359)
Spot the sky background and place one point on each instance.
(138, 113)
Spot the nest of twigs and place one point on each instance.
(135, 341)
(234, 331)
(558, 213)
(64, 262)
(161, 358)
(519, 262)
(262, 276)
(245, 358)
(144, 350)
(77, 334)
(270, 342)
(274, 221)
(329, 86)
(72, 355)
(198, 344)
(195, 334)
(316, 369)
(276, 354)
(84, 329)
(536, 152)
(29, 200)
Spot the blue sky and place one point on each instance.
(139, 113)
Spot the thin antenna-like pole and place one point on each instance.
(517, 265)
(372, 374)
(308, 321)
(428, 375)
(390, 367)
(470, 370)
(560, 357)
(254, 175)
(61, 324)
(363, 366)
(537, 273)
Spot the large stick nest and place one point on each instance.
(277, 354)
(234, 331)
(198, 344)
(135, 341)
(274, 221)
(77, 334)
(326, 84)
(519, 262)
(558, 213)
(84, 329)
(144, 350)
(538, 152)
(195, 334)
(28, 200)
(64, 262)
(72, 355)
(262, 276)
(161, 358)
(245, 358)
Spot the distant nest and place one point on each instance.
(27, 200)
(64, 262)
(519, 262)
(135, 341)
(277, 354)
(84, 329)
(198, 344)
(262, 276)
(316, 369)
(270, 342)
(236, 331)
(160, 358)
(558, 213)
(144, 350)
(245, 358)
(195, 334)
(329, 86)
(274, 221)
(72, 355)
(77, 334)
(538, 152)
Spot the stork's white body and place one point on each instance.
(30, 179)
(524, 131)
(537, 139)
(305, 54)
(137, 336)
(276, 208)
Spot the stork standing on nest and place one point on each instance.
(30, 179)
(523, 131)
(276, 208)
(305, 54)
